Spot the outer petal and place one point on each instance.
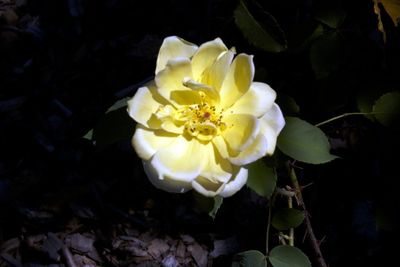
(166, 183)
(256, 150)
(206, 187)
(271, 125)
(170, 82)
(143, 104)
(173, 47)
(205, 56)
(256, 101)
(238, 80)
(181, 160)
(274, 118)
(147, 141)
(217, 168)
(271, 137)
(242, 130)
(238, 180)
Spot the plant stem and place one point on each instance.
(270, 204)
(342, 116)
(291, 230)
(313, 240)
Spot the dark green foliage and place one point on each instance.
(287, 256)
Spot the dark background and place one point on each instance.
(64, 63)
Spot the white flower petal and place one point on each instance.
(211, 94)
(143, 105)
(271, 124)
(241, 131)
(271, 137)
(165, 183)
(237, 80)
(181, 160)
(256, 101)
(206, 187)
(173, 47)
(147, 141)
(171, 127)
(172, 76)
(217, 168)
(255, 151)
(274, 118)
(170, 82)
(238, 180)
(221, 146)
(205, 56)
(215, 74)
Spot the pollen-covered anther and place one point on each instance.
(202, 121)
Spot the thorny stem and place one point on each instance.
(313, 240)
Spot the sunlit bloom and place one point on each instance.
(203, 119)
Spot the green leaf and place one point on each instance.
(217, 204)
(304, 142)
(327, 54)
(114, 126)
(209, 205)
(331, 13)
(288, 256)
(286, 218)
(259, 27)
(387, 109)
(261, 178)
(366, 99)
(250, 258)
(89, 135)
(119, 104)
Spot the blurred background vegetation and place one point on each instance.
(63, 64)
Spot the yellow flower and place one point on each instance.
(203, 119)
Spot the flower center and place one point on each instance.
(202, 121)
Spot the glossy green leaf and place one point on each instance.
(250, 258)
(387, 109)
(304, 142)
(288, 256)
(261, 178)
(284, 219)
(114, 126)
(327, 54)
(260, 28)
